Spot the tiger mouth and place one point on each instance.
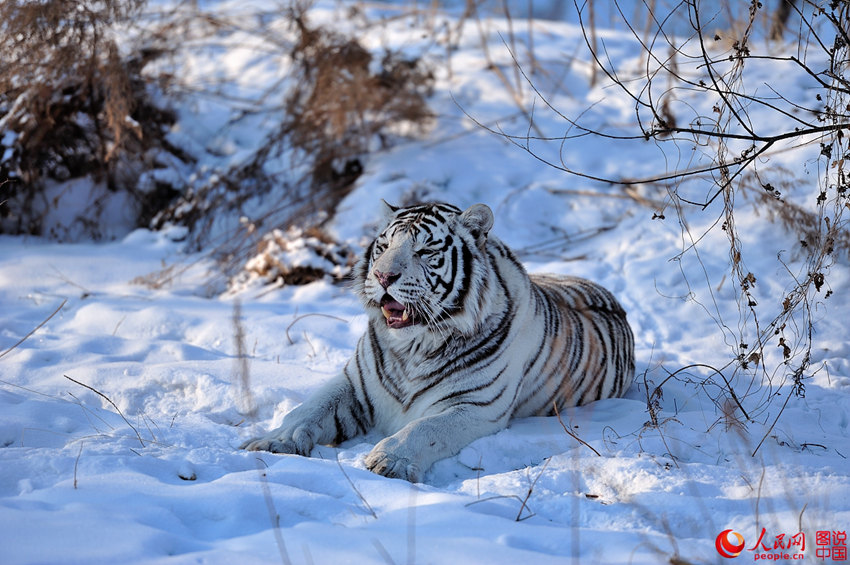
(397, 314)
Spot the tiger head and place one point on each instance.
(425, 272)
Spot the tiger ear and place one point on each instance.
(387, 210)
(478, 218)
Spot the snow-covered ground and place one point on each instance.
(121, 415)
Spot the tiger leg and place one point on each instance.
(418, 445)
(329, 416)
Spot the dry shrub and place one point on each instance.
(70, 105)
(338, 105)
(342, 102)
(772, 341)
(296, 257)
(814, 233)
(709, 93)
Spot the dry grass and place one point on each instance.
(342, 103)
(71, 105)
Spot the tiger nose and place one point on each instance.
(386, 279)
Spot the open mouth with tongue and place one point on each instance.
(396, 313)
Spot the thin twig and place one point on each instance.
(242, 369)
(800, 518)
(301, 317)
(494, 497)
(356, 490)
(382, 551)
(722, 376)
(770, 429)
(524, 505)
(76, 463)
(758, 495)
(629, 193)
(26, 337)
(274, 517)
(571, 434)
(97, 392)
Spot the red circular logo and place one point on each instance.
(729, 544)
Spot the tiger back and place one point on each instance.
(460, 340)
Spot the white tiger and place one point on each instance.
(460, 340)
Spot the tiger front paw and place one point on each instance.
(391, 465)
(298, 441)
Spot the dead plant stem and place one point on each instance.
(97, 392)
(571, 434)
(26, 337)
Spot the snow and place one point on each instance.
(121, 415)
